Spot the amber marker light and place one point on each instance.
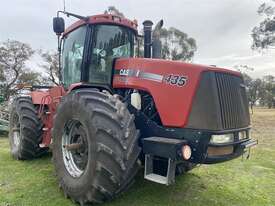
(186, 152)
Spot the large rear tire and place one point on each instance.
(25, 133)
(95, 146)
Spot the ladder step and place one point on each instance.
(157, 178)
(42, 145)
(150, 175)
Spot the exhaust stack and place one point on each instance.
(147, 28)
(152, 42)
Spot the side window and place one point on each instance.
(72, 55)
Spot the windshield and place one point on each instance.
(110, 42)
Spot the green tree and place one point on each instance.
(263, 35)
(2, 77)
(255, 91)
(269, 94)
(177, 45)
(260, 90)
(113, 10)
(13, 58)
(51, 66)
(30, 78)
(254, 87)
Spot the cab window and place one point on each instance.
(110, 42)
(72, 55)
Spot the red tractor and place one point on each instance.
(115, 112)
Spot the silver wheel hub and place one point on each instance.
(16, 137)
(16, 131)
(75, 148)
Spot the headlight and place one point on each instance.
(221, 139)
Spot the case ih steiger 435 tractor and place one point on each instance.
(114, 112)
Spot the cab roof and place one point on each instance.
(103, 19)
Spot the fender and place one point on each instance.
(47, 96)
(172, 84)
(38, 95)
(88, 85)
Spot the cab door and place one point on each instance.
(109, 42)
(73, 56)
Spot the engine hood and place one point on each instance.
(160, 66)
(172, 84)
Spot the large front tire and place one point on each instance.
(25, 133)
(95, 147)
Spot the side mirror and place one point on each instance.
(58, 25)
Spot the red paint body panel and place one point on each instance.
(173, 103)
(103, 19)
(51, 99)
(38, 95)
(48, 101)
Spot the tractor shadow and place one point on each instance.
(144, 192)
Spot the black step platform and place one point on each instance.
(165, 148)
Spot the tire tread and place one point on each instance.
(117, 147)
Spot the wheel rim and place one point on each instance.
(75, 148)
(16, 130)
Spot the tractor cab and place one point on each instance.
(89, 47)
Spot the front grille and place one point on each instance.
(233, 101)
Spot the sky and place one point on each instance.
(221, 28)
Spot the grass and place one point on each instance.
(238, 182)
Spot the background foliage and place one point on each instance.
(263, 35)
